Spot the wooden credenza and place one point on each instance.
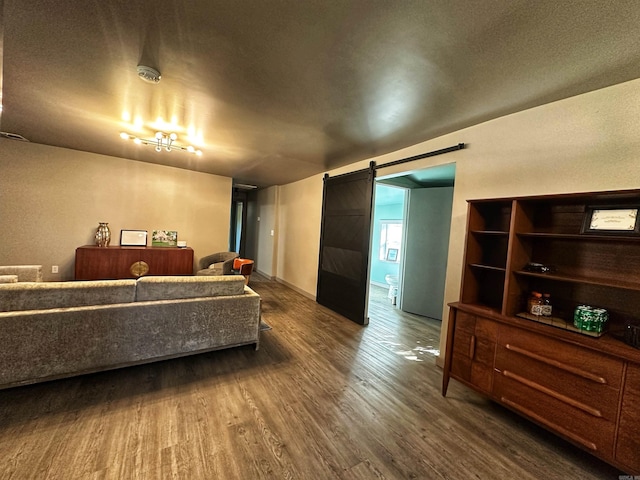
(104, 263)
(583, 388)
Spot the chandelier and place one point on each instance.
(162, 141)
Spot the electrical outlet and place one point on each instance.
(54, 269)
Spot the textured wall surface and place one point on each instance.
(585, 143)
(51, 200)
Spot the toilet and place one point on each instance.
(392, 281)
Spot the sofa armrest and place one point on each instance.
(25, 273)
(219, 257)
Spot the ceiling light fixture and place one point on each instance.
(161, 141)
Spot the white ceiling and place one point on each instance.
(277, 90)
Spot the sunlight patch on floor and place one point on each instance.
(412, 354)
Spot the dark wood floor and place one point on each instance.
(323, 398)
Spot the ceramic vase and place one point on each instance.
(103, 235)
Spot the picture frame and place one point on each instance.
(133, 238)
(392, 255)
(164, 238)
(611, 220)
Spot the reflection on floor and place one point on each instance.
(414, 337)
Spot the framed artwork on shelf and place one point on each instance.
(132, 238)
(392, 255)
(611, 220)
(164, 238)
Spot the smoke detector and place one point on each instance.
(148, 74)
(13, 136)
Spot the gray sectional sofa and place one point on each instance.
(51, 330)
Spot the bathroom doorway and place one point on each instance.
(414, 276)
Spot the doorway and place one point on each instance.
(238, 226)
(387, 241)
(425, 223)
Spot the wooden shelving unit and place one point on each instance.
(575, 385)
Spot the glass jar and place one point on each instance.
(547, 308)
(534, 304)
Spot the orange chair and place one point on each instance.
(243, 266)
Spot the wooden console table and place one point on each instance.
(105, 263)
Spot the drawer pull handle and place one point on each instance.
(544, 421)
(472, 347)
(560, 365)
(552, 393)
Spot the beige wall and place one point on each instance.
(51, 200)
(267, 213)
(584, 143)
(300, 212)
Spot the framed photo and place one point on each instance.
(164, 238)
(133, 238)
(611, 220)
(392, 255)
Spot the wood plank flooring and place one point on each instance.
(323, 398)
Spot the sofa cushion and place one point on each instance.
(174, 287)
(47, 295)
(8, 278)
(25, 273)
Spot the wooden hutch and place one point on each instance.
(583, 388)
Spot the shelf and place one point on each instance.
(601, 282)
(608, 343)
(487, 267)
(579, 237)
(558, 323)
(480, 308)
(498, 233)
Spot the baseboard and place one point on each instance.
(439, 361)
(268, 277)
(296, 289)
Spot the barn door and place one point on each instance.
(343, 267)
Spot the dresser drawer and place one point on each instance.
(593, 433)
(595, 368)
(575, 387)
(571, 390)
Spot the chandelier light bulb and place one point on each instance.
(161, 141)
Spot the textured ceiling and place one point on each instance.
(276, 90)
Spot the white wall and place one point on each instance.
(51, 200)
(428, 222)
(585, 143)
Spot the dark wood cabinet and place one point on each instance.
(103, 263)
(585, 388)
(628, 448)
(474, 347)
